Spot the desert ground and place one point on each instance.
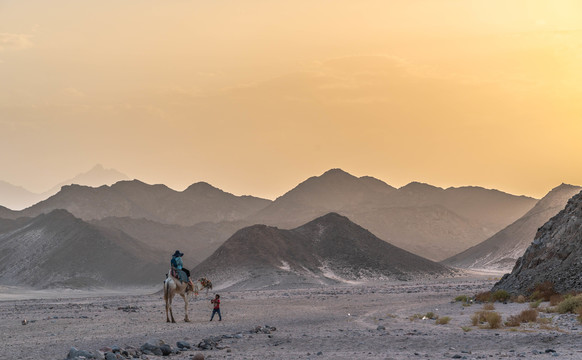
(352, 321)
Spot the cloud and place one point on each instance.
(15, 42)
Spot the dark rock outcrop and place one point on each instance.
(555, 255)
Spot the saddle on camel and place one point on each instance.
(178, 271)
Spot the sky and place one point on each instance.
(256, 96)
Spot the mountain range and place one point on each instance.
(501, 251)
(328, 250)
(432, 222)
(198, 203)
(429, 221)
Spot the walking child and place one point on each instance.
(216, 310)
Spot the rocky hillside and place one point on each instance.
(330, 249)
(553, 256)
(59, 250)
(501, 251)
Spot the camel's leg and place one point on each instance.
(167, 300)
(185, 297)
(171, 312)
(167, 307)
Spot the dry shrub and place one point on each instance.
(520, 299)
(483, 296)
(443, 320)
(528, 315)
(543, 291)
(488, 306)
(570, 304)
(478, 317)
(415, 317)
(544, 320)
(512, 321)
(483, 316)
(579, 312)
(556, 299)
(493, 319)
(535, 304)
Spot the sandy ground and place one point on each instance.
(320, 323)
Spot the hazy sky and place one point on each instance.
(254, 96)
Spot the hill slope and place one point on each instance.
(197, 242)
(553, 256)
(501, 251)
(59, 250)
(327, 250)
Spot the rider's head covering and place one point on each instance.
(178, 254)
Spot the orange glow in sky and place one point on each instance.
(256, 96)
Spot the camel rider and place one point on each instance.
(183, 274)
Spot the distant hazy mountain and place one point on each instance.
(431, 231)
(95, 177)
(554, 255)
(501, 251)
(135, 199)
(59, 250)
(329, 249)
(18, 198)
(429, 221)
(197, 242)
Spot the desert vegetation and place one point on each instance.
(492, 318)
(570, 304)
(543, 291)
(493, 296)
(526, 316)
(443, 320)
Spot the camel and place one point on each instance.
(201, 284)
(173, 286)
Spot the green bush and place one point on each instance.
(430, 315)
(535, 304)
(462, 298)
(500, 295)
(570, 304)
